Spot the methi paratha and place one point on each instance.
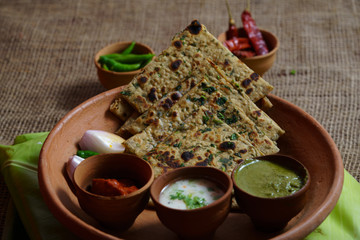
(205, 143)
(158, 109)
(181, 116)
(196, 100)
(162, 126)
(177, 61)
(197, 37)
(262, 124)
(213, 97)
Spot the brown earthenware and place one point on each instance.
(118, 212)
(272, 214)
(200, 223)
(305, 139)
(259, 64)
(110, 79)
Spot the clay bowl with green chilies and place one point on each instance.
(118, 63)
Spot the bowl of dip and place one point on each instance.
(271, 189)
(192, 201)
(113, 188)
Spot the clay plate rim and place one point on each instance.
(81, 228)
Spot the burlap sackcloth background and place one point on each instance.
(47, 50)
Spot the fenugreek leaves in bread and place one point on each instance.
(178, 61)
(194, 105)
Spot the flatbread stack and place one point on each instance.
(194, 105)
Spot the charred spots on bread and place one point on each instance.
(202, 163)
(186, 156)
(149, 121)
(166, 154)
(167, 104)
(142, 80)
(173, 164)
(152, 95)
(246, 82)
(257, 113)
(174, 114)
(164, 168)
(207, 160)
(242, 151)
(227, 145)
(249, 91)
(195, 27)
(254, 76)
(177, 44)
(175, 96)
(166, 157)
(175, 64)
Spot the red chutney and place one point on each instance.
(112, 187)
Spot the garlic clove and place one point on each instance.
(71, 165)
(102, 142)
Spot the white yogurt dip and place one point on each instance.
(190, 193)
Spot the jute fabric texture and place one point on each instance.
(47, 50)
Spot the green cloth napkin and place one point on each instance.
(19, 169)
(344, 220)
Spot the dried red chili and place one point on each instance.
(112, 187)
(244, 53)
(254, 33)
(238, 43)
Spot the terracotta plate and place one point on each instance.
(305, 139)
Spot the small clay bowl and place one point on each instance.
(118, 212)
(199, 223)
(110, 79)
(259, 64)
(273, 214)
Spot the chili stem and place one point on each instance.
(231, 20)
(247, 6)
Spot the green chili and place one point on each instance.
(130, 58)
(105, 67)
(129, 48)
(126, 60)
(117, 66)
(86, 153)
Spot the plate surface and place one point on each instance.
(305, 139)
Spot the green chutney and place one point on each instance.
(267, 179)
